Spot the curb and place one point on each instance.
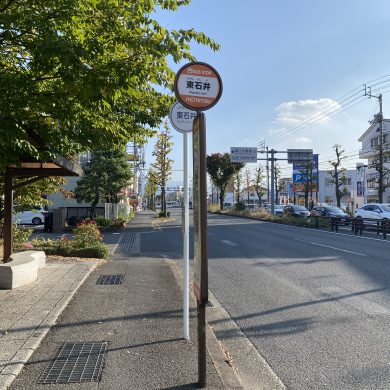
(16, 364)
(219, 356)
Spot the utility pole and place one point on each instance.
(268, 197)
(379, 164)
(272, 151)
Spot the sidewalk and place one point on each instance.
(139, 319)
(27, 313)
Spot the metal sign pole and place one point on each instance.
(203, 253)
(186, 243)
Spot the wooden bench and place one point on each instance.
(22, 269)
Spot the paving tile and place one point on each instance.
(8, 348)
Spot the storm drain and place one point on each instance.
(76, 363)
(110, 279)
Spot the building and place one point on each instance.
(370, 143)
(354, 189)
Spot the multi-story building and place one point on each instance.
(370, 144)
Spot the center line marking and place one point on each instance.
(331, 247)
(231, 243)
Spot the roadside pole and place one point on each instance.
(186, 242)
(182, 120)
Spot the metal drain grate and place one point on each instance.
(76, 363)
(110, 279)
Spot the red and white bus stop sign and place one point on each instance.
(198, 86)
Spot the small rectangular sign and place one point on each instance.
(243, 154)
(299, 155)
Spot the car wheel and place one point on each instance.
(36, 221)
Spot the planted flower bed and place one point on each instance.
(87, 242)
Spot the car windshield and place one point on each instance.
(386, 208)
(300, 208)
(279, 206)
(334, 210)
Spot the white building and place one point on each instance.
(354, 188)
(370, 141)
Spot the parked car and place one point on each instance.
(330, 211)
(278, 209)
(374, 211)
(35, 216)
(295, 210)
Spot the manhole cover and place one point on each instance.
(110, 279)
(75, 363)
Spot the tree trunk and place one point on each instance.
(221, 198)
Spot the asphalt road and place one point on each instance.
(315, 304)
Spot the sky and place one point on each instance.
(292, 73)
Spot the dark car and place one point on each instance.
(330, 211)
(295, 210)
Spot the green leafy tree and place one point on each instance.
(105, 176)
(81, 75)
(248, 180)
(337, 173)
(221, 170)
(162, 167)
(151, 188)
(34, 194)
(257, 182)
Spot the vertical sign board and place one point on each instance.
(299, 178)
(200, 210)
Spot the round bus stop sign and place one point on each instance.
(198, 86)
(182, 119)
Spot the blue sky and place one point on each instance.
(282, 62)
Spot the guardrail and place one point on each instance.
(358, 225)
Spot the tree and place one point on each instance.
(33, 194)
(381, 179)
(248, 179)
(238, 181)
(337, 173)
(162, 167)
(277, 173)
(78, 75)
(105, 176)
(257, 182)
(151, 187)
(308, 183)
(221, 170)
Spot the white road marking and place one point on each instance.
(331, 247)
(231, 243)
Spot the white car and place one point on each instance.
(374, 211)
(30, 217)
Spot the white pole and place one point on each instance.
(186, 242)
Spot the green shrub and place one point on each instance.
(164, 214)
(87, 234)
(19, 235)
(239, 206)
(102, 221)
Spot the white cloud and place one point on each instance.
(303, 140)
(303, 113)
